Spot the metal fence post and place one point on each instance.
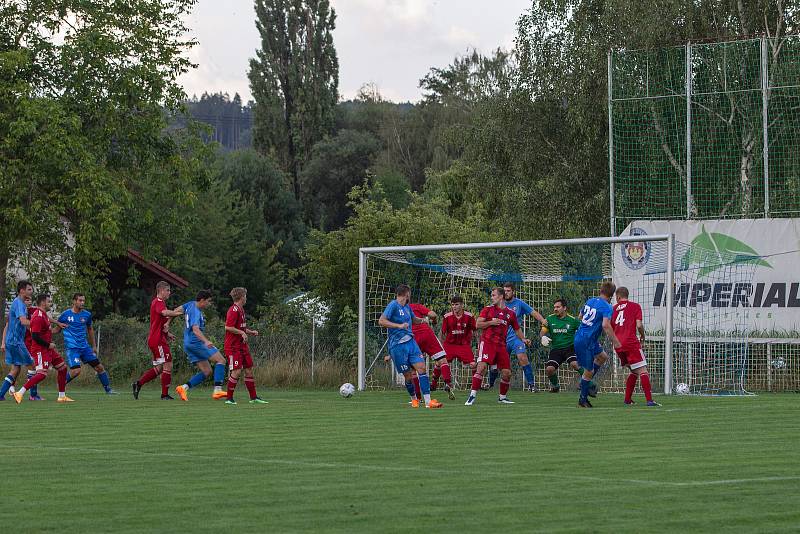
(689, 197)
(611, 150)
(765, 121)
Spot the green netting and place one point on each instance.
(727, 176)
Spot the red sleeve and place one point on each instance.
(160, 306)
(421, 310)
(514, 322)
(445, 320)
(38, 324)
(639, 312)
(472, 324)
(485, 313)
(232, 317)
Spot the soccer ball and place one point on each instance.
(347, 390)
(682, 389)
(779, 363)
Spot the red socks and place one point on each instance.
(250, 382)
(446, 375)
(630, 385)
(417, 390)
(148, 375)
(61, 378)
(477, 380)
(231, 387)
(504, 386)
(648, 393)
(166, 379)
(35, 379)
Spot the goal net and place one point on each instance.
(694, 334)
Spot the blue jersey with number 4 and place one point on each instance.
(592, 316)
(75, 332)
(521, 309)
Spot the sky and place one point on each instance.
(391, 43)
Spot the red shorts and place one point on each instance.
(632, 357)
(239, 358)
(43, 359)
(462, 352)
(429, 344)
(494, 355)
(161, 353)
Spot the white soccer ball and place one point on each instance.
(779, 363)
(682, 389)
(347, 390)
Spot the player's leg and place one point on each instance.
(551, 370)
(584, 353)
(504, 364)
(159, 358)
(638, 365)
(399, 357)
(10, 378)
(62, 372)
(33, 391)
(494, 373)
(166, 377)
(250, 380)
(486, 356)
(443, 365)
(526, 366)
(219, 375)
(233, 380)
(199, 358)
(39, 367)
(90, 358)
(417, 363)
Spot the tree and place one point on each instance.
(294, 79)
(83, 96)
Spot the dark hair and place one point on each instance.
(622, 292)
(42, 297)
(509, 285)
(203, 294)
(76, 295)
(22, 284)
(561, 300)
(456, 299)
(402, 289)
(498, 289)
(608, 289)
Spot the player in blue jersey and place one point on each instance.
(513, 343)
(397, 318)
(79, 342)
(595, 319)
(199, 349)
(17, 354)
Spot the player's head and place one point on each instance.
(509, 291)
(78, 301)
(203, 298)
(607, 290)
(239, 295)
(44, 301)
(163, 290)
(457, 304)
(403, 293)
(24, 288)
(498, 295)
(560, 307)
(28, 300)
(622, 293)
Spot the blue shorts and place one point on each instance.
(18, 355)
(586, 349)
(516, 346)
(198, 352)
(77, 356)
(405, 355)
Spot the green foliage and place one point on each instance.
(713, 251)
(294, 78)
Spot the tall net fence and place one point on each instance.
(705, 131)
(711, 353)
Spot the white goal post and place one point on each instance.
(446, 268)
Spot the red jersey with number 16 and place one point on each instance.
(458, 330)
(496, 335)
(626, 313)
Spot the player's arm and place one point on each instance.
(24, 320)
(640, 329)
(3, 341)
(177, 312)
(609, 330)
(483, 322)
(92, 339)
(386, 323)
(539, 317)
(199, 334)
(431, 317)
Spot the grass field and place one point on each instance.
(312, 461)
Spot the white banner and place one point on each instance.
(746, 270)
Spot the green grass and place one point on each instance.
(312, 461)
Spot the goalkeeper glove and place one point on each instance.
(546, 341)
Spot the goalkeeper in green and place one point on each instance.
(559, 335)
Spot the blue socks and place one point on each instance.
(34, 391)
(196, 380)
(219, 374)
(585, 389)
(595, 367)
(424, 383)
(493, 374)
(410, 389)
(527, 370)
(103, 378)
(7, 383)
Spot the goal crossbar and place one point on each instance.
(364, 252)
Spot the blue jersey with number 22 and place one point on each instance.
(592, 318)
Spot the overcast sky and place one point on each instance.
(392, 43)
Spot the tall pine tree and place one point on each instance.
(294, 79)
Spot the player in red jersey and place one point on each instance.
(458, 327)
(44, 353)
(158, 342)
(432, 346)
(627, 322)
(236, 348)
(494, 320)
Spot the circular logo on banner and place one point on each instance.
(636, 253)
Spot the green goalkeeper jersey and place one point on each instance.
(561, 331)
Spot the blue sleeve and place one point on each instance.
(607, 311)
(194, 317)
(389, 310)
(89, 319)
(19, 308)
(63, 317)
(525, 308)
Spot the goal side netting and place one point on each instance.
(699, 343)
